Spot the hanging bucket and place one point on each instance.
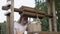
(34, 27)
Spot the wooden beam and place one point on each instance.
(33, 10)
(44, 32)
(5, 8)
(33, 15)
(17, 10)
(29, 9)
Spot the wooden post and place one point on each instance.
(54, 15)
(8, 24)
(49, 9)
(12, 18)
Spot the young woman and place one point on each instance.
(21, 25)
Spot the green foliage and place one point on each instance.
(45, 24)
(57, 4)
(3, 26)
(43, 5)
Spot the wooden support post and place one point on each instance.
(54, 15)
(49, 9)
(12, 18)
(8, 24)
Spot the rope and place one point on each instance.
(37, 9)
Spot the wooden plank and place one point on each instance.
(22, 9)
(32, 10)
(44, 32)
(58, 33)
(33, 15)
(5, 8)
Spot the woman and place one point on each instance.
(21, 25)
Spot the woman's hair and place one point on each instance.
(23, 17)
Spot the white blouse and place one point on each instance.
(20, 27)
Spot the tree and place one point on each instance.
(44, 21)
(58, 13)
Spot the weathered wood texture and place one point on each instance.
(33, 10)
(33, 15)
(5, 7)
(30, 10)
(8, 24)
(54, 15)
(12, 18)
(44, 32)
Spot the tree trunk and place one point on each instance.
(54, 15)
(50, 24)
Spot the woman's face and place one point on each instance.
(23, 21)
